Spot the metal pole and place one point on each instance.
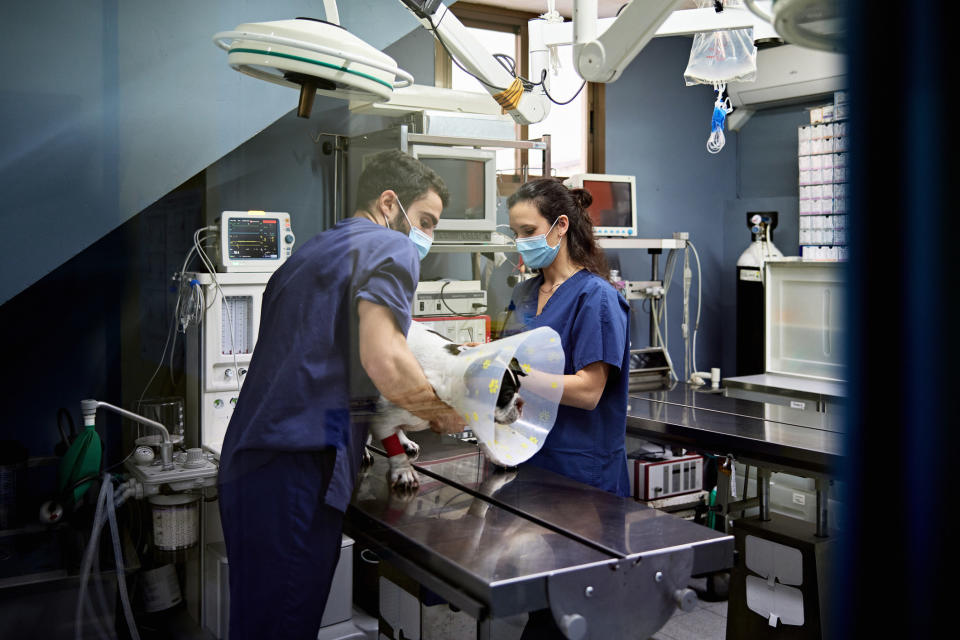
(723, 497)
(89, 408)
(746, 483)
(823, 496)
(763, 493)
(547, 163)
(484, 628)
(654, 276)
(339, 206)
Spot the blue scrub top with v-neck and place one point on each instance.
(593, 322)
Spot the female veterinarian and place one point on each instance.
(573, 296)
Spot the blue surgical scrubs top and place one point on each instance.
(305, 368)
(592, 320)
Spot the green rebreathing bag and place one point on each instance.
(81, 460)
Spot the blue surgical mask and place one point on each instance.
(419, 238)
(535, 251)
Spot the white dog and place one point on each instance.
(434, 352)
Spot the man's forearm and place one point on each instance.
(399, 377)
(396, 373)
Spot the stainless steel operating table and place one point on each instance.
(496, 543)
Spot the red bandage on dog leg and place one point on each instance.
(392, 445)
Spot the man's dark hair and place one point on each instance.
(402, 173)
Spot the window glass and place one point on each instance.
(493, 42)
(566, 124)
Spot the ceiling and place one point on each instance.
(606, 8)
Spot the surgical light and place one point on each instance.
(315, 56)
(815, 24)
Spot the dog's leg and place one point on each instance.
(411, 448)
(401, 476)
(367, 460)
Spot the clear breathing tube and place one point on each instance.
(106, 511)
(188, 308)
(659, 309)
(191, 304)
(208, 263)
(696, 323)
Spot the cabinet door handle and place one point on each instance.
(826, 322)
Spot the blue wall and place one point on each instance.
(657, 129)
(95, 322)
(107, 106)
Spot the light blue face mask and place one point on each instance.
(420, 239)
(535, 251)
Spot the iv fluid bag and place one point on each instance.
(722, 56)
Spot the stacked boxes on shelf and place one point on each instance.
(823, 162)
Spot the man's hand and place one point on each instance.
(447, 421)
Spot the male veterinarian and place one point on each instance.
(334, 320)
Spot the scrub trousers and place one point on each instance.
(282, 540)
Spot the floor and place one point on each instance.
(707, 622)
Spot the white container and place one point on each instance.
(161, 589)
(805, 317)
(176, 522)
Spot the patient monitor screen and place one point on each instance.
(465, 180)
(612, 202)
(253, 238)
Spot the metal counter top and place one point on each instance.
(498, 542)
(779, 382)
(808, 443)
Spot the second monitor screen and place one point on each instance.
(612, 203)
(465, 181)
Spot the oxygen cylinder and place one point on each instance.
(750, 300)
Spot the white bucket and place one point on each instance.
(161, 589)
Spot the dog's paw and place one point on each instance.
(412, 449)
(404, 480)
(402, 476)
(366, 461)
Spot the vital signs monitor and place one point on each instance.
(614, 208)
(254, 241)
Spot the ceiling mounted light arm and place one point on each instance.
(815, 24)
(603, 58)
(330, 10)
(616, 48)
(524, 104)
(757, 11)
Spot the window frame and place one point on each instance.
(513, 21)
